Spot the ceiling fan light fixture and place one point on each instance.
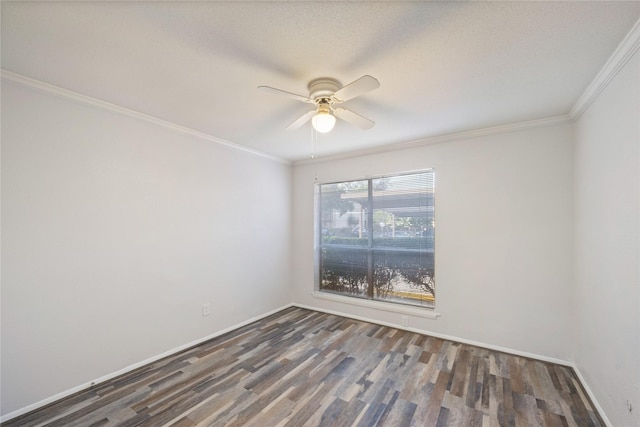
(326, 93)
(323, 122)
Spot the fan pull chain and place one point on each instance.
(314, 135)
(313, 141)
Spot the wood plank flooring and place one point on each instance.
(305, 368)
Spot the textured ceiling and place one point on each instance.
(444, 67)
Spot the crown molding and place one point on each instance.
(495, 130)
(98, 103)
(623, 53)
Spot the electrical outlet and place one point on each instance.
(206, 309)
(405, 320)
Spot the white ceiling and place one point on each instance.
(444, 67)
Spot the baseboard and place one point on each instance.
(528, 355)
(153, 359)
(592, 397)
(442, 336)
(82, 387)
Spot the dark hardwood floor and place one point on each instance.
(305, 368)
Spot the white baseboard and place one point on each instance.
(130, 368)
(442, 336)
(594, 401)
(571, 365)
(153, 359)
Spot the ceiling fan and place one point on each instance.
(325, 93)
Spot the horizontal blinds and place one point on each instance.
(377, 238)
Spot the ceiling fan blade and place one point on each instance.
(358, 87)
(354, 118)
(285, 93)
(302, 120)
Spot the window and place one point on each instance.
(376, 238)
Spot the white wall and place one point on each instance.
(115, 231)
(607, 238)
(503, 236)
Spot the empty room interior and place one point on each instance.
(224, 213)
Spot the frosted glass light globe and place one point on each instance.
(323, 122)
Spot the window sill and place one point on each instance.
(425, 312)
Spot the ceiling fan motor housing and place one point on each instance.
(323, 87)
